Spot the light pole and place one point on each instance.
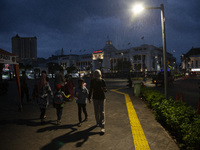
(140, 8)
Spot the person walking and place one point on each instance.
(59, 102)
(42, 91)
(70, 87)
(81, 100)
(24, 87)
(97, 93)
(60, 79)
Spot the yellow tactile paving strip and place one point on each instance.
(139, 138)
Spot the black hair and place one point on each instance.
(43, 71)
(80, 80)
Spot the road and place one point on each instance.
(188, 88)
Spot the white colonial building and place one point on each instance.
(146, 58)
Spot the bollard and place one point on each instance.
(182, 97)
(137, 87)
(177, 96)
(198, 107)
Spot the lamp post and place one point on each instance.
(140, 8)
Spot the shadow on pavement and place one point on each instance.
(56, 127)
(80, 137)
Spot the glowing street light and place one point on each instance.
(139, 8)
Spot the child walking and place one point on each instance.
(58, 102)
(81, 100)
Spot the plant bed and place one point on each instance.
(181, 120)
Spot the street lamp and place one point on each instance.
(139, 8)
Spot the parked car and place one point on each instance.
(159, 79)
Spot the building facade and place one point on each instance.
(146, 58)
(24, 47)
(191, 60)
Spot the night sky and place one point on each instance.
(86, 24)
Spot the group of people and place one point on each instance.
(65, 89)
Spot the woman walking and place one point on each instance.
(97, 93)
(42, 92)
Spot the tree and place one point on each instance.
(53, 67)
(71, 69)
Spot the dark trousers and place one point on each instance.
(80, 108)
(43, 112)
(59, 112)
(26, 92)
(99, 110)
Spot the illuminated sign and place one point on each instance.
(95, 52)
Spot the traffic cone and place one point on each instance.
(198, 107)
(177, 96)
(182, 97)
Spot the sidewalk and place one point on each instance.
(22, 130)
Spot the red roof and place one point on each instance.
(3, 52)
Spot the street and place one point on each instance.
(22, 130)
(188, 88)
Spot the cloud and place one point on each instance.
(79, 24)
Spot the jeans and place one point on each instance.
(80, 108)
(99, 110)
(59, 112)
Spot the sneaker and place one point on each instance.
(79, 125)
(58, 122)
(102, 130)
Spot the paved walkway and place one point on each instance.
(22, 130)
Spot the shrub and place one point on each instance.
(181, 120)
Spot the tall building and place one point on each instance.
(24, 47)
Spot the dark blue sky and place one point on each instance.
(87, 24)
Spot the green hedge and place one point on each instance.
(180, 120)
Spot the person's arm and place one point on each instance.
(90, 91)
(66, 96)
(50, 91)
(104, 86)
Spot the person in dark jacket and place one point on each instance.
(81, 100)
(24, 87)
(97, 93)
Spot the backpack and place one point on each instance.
(58, 98)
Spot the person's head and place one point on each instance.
(58, 87)
(80, 82)
(97, 74)
(43, 72)
(43, 79)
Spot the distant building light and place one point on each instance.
(97, 52)
(195, 69)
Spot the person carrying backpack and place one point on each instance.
(81, 100)
(58, 102)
